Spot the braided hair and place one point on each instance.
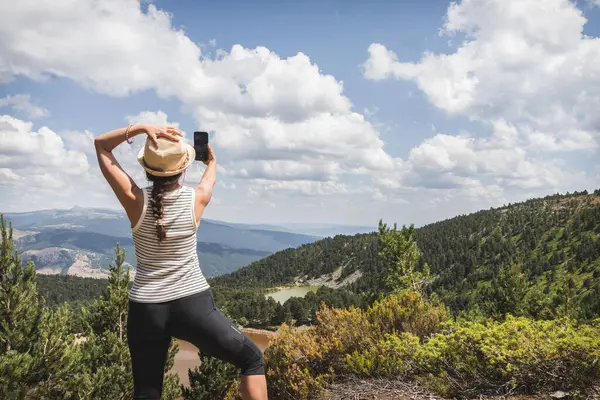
(161, 185)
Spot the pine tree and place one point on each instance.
(213, 379)
(400, 255)
(107, 361)
(37, 355)
(511, 287)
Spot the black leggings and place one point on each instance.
(195, 319)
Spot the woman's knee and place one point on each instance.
(253, 360)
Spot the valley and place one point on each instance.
(543, 245)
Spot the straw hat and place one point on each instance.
(170, 158)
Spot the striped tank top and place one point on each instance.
(168, 270)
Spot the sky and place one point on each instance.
(336, 112)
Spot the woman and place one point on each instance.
(169, 296)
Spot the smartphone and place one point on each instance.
(201, 145)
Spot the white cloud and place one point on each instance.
(22, 103)
(575, 139)
(527, 73)
(109, 46)
(80, 141)
(39, 168)
(382, 64)
(512, 50)
(284, 126)
(152, 118)
(286, 170)
(463, 161)
(227, 185)
(262, 107)
(522, 60)
(8, 174)
(303, 187)
(481, 168)
(25, 150)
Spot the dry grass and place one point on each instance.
(378, 389)
(383, 389)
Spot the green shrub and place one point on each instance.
(518, 354)
(299, 363)
(295, 366)
(344, 331)
(395, 339)
(213, 379)
(406, 312)
(392, 357)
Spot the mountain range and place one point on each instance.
(80, 241)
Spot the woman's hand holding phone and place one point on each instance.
(211, 156)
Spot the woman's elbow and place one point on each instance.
(98, 145)
(204, 194)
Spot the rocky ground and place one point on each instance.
(373, 389)
(330, 280)
(377, 390)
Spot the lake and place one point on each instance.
(297, 291)
(187, 357)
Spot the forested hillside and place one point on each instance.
(543, 254)
(308, 261)
(537, 258)
(57, 289)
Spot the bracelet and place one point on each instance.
(127, 138)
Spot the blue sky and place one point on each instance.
(478, 123)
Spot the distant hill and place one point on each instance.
(329, 230)
(80, 241)
(267, 227)
(88, 254)
(115, 223)
(314, 230)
